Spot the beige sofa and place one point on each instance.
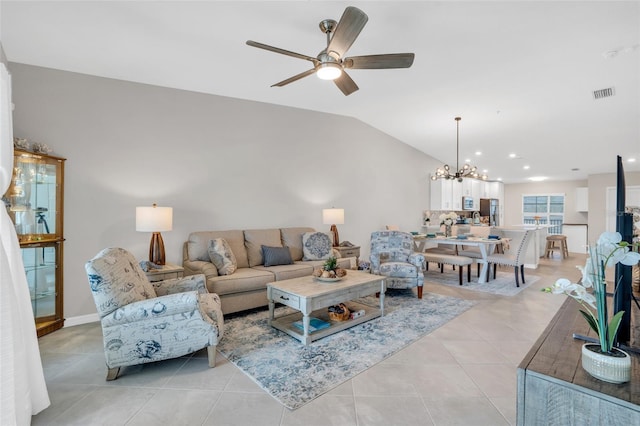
(246, 288)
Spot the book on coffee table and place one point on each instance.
(315, 324)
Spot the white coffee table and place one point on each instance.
(311, 297)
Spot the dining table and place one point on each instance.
(486, 246)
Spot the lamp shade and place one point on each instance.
(333, 216)
(154, 219)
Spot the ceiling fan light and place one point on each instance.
(328, 71)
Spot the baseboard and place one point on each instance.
(82, 319)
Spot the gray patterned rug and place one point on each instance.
(503, 285)
(295, 374)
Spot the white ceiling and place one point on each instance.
(520, 74)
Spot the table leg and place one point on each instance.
(382, 291)
(485, 265)
(272, 306)
(305, 327)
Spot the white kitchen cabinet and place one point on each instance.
(582, 199)
(456, 195)
(441, 193)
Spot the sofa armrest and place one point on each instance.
(417, 259)
(157, 307)
(180, 285)
(374, 258)
(193, 267)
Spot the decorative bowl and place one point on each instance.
(328, 280)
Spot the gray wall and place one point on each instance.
(221, 163)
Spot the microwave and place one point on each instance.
(467, 203)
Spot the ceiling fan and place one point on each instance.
(330, 64)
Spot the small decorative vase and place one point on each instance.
(447, 230)
(608, 368)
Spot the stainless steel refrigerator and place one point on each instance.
(489, 208)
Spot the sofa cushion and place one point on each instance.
(285, 272)
(292, 238)
(273, 256)
(254, 239)
(316, 246)
(243, 280)
(222, 256)
(198, 245)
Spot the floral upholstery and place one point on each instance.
(392, 255)
(144, 323)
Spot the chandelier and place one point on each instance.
(467, 171)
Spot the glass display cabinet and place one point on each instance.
(34, 202)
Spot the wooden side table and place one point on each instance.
(350, 252)
(167, 272)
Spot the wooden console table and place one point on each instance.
(554, 389)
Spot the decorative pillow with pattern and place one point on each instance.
(316, 246)
(222, 257)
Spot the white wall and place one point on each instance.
(221, 163)
(597, 184)
(513, 199)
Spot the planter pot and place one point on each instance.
(612, 369)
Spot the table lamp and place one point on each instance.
(155, 219)
(332, 217)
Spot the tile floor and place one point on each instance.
(463, 373)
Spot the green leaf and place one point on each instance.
(591, 321)
(613, 327)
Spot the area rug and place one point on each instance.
(503, 285)
(295, 374)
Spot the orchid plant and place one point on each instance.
(608, 251)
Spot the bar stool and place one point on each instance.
(551, 245)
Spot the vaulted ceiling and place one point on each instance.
(520, 74)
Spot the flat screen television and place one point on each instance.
(623, 275)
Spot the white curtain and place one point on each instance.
(23, 391)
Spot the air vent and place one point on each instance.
(603, 93)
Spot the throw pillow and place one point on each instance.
(316, 246)
(276, 256)
(222, 257)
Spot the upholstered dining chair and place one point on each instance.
(144, 322)
(515, 260)
(392, 255)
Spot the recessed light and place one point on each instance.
(468, 160)
(512, 155)
(526, 167)
(537, 178)
(500, 179)
(631, 160)
(478, 152)
(485, 171)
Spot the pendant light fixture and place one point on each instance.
(467, 171)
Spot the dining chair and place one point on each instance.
(514, 260)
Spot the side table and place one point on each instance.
(167, 272)
(353, 251)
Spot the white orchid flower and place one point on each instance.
(587, 274)
(580, 293)
(630, 258)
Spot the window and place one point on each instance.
(547, 209)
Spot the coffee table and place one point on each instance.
(311, 297)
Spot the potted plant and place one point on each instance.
(603, 361)
(448, 219)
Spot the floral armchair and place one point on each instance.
(392, 255)
(144, 322)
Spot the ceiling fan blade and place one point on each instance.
(346, 84)
(351, 23)
(294, 78)
(391, 60)
(281, 51)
